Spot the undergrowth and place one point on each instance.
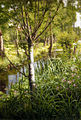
(57, 95)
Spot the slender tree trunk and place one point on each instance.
(45, 40)
(17, 47)
(38, 10)
(1, 46)
(35, 15)
(70, 51)
(54, 39)
(50, 48)
(31, 65)
(51, 39)
(66, 47)
(74, 52)
(51, 43)
(16, 43)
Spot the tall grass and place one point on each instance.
(57, 95)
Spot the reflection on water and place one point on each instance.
(9, 79)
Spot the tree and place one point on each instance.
(33, 18)
(29, 17)
(66, 39)
(1, 45)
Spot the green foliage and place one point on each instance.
(12, 56)
(57, 94)
(58, 81)
(66, 39)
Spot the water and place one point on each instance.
(9, 78)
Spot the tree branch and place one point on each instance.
(23, 17)
(40, 23)
(49, 22)
(16, 67)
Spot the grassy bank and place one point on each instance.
(11, 53)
